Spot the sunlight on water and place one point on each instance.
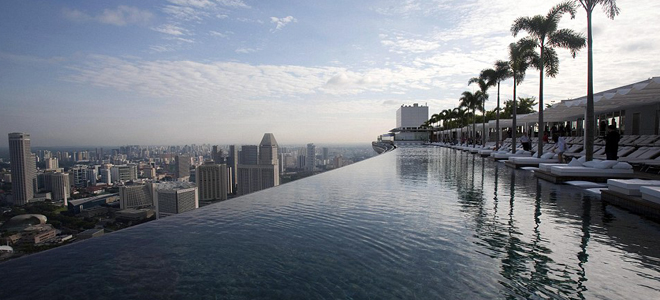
(426, 223)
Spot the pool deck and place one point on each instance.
(632, 203)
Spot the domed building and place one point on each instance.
(21, 222)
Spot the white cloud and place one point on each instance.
(404, 45)
(246, 50)
(121, 16)
(197, 10)
(281, 22)
(171, 30)
(219, 34)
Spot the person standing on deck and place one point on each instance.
(612, 143)
(524, 141)
(560, 148)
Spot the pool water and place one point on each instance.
(414, 223)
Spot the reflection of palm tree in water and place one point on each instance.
(539, 253)
(583, 257)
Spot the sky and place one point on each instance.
(96, 73)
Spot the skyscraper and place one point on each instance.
(23, 167)
(232, 166)
(175, 198)
(212, 181)
(265, 174)
(182, 168)
(249, 155)
(310, 162)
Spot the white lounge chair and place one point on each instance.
(630, 187)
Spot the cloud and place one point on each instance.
(246, 50)
(219, 34)
(197, 10)
(403, 45)
(121, 16)
(281, 22)
(170, 29)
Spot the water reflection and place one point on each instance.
(418, 222)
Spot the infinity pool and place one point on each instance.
(415, 223)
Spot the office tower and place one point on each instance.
(106, 176)
(123, 173)
(232, 168)
(310, 161)
(52, 163)
(22, 167)
(217, 155)
(408, 116)
(91, 175)
(182, 167)
(212, 181)
(326, 152)
(175, 198)
(251, 177)
(58, 185)
(149, 172)
(136, 196)
(249, 155)
(78, 175)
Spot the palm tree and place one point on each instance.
(521, 57)
(484, 84)
(611, 10)
(500, 73)
(471, 101)
(544, 32)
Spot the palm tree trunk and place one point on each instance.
(474, 127)
(513, 121)
(497, 120)
(540, 141)
(589, 119)
(483, 121)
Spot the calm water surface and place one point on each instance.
(425, 223)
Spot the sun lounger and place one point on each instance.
(546, 166)
(630, 187)
(650, 153)
(575, 171)
(519, 162)
(650, 193)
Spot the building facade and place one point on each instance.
(264, 174)
(23, 167)
(175, 198)
(212, 181)
(411, 116)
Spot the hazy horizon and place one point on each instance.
(189, 71)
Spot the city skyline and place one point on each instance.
(82, 73)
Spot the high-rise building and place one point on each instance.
(182, 167)
(58, 185)
(217, 155)
(411, 116)
(310, 163)
(212, 180)
(249, 155)
(123, 172)
(232, 166)
(23, 168)
(175, 198)
(326, 152)
(136, 196)
(265, 174)
(106, 176)
(52, 163)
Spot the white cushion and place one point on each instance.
(575, 162)
(622, 165)
(520, 151)
(547, 155)
(606, 164)
(582, 159)
(590, 164)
